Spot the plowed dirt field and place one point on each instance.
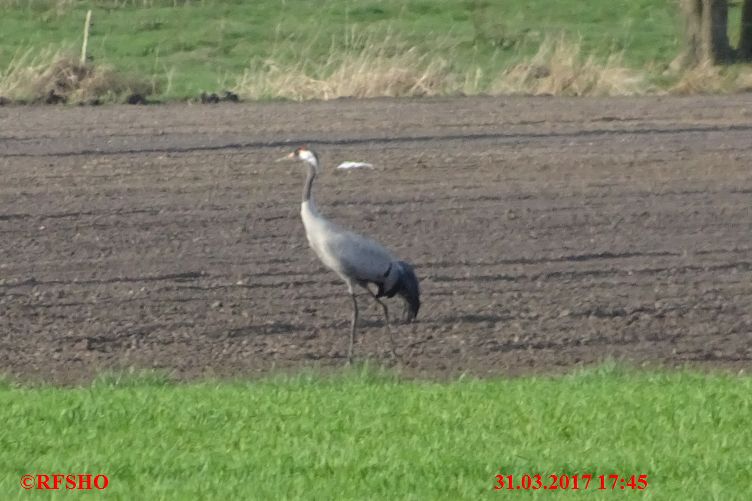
(547, 233)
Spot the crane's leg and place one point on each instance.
(352, 327)
(386, 324)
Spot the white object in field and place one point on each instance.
(355, 165)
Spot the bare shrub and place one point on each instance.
(54, 77)
(559, 68)
(744, 81)
(709, 79)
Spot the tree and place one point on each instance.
(745, 37)
(706, 33)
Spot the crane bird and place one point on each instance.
(358, 260)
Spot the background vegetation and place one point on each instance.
(300, 49)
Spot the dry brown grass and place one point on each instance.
(559, 68)
(708, 79)
(372, 66)
(377, 69)
(56, 77)
(366, 68)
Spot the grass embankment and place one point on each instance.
(361, 435)
(300, 49)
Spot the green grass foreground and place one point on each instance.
(362, 435)
(190, 46)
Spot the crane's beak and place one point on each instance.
(290, 156)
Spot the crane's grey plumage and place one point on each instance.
(358, 260)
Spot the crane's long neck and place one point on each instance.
(312, 220)
(307, 197)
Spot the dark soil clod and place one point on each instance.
(209, 98)
(230, 97)
(214, 98)
(54, 98)
(136, 99)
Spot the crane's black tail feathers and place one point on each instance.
(409, 289)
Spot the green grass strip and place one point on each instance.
(366, 435)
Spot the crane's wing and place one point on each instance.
(359, 257)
